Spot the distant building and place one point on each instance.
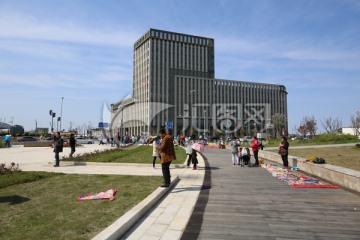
(42, 130)
(174, 86)
(13, 130)
(349, 130)
(4, 127)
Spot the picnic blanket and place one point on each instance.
(109, 194)
(296, 179)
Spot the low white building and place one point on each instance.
(349, 130)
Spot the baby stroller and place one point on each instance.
(246, 155)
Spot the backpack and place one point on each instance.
(319, 161)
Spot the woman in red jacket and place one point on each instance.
(255, 149)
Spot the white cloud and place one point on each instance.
(252, 53)
(40, 49)
(28, 27)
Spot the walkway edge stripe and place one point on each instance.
(124, 223)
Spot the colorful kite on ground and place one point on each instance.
(296, 179)
(109, 194)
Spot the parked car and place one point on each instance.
(27, 139)
(247, 139)
(214, 139)
(81, 140)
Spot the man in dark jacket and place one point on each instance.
(167, 155)
(58, 147)
(72, 142)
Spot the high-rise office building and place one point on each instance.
(174, 86)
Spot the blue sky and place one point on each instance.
(82, 50)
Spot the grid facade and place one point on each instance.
(174, 80)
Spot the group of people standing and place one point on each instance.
(241, 155)
(163, 148)
(58, 145)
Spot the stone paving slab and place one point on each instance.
(169, 218)
(248, 203)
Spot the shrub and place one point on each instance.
(11, 168)
(335, 138)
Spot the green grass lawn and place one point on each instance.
(322, 139)
(45, 206)
(348, 157)
(141, 154)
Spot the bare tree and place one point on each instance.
(80, 129)
(307, 125)
(279, 121)
(331, 125)
(355, 123)
(302, 130)
(310, 124)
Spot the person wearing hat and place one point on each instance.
(167, 155)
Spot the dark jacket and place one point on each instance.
(58, 144)
(284, 149)
(167, 149)
(72, 141)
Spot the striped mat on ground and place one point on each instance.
(296, 179)
(109, 194)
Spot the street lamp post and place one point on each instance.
(62, 100)
(121, 126)
(191, 92)
(205, 124)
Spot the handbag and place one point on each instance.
(282, 151)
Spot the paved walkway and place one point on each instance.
(248, 203)
(42, 159)
(234, 202)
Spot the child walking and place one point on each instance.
(240, 158)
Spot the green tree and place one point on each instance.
(279, 121)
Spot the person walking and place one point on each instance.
(188, 144)
(234, 145)
(155, 152)
(72, 142)
(7, 139)
(194, 159)
(58, 148)
(167, 155)
(255, 149)
(284, 151)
